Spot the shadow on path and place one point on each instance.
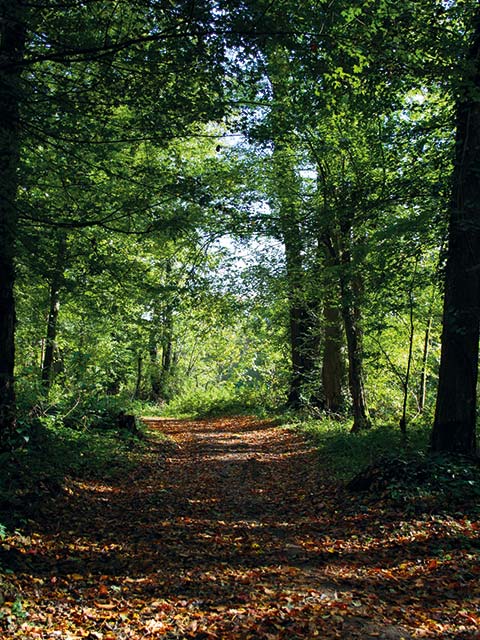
(235, 532)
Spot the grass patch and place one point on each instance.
(345, 454)
(91, 452)
(377, 461)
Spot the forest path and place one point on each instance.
(230, 531)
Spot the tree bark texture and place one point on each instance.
(287, 188)
(138, 378)
(302, 360)
(333, 362)
(154, 365)
(168, 357)
(333, 369)
(11, 52)
(454, 428)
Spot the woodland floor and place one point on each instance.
(236, 531)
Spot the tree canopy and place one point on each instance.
(241, 203)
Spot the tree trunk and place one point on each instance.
(167, 342)
(333, 370)
(454, 428)
(301, 325)
(302, 361)
(423, 374)
(167, 353)
(333, 363)
(161, 367)
(351, 313)
(12, 37)
(286, 188)
(138, 379)
(292, 243)
(361, 418)
(411, 339)
(51, 337)
(154, 365)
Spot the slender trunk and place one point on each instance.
(161, 366)
(287, 201)
(301, 331)
(411, 337)
(54, 307)
(403, 419)
(167, 342)
(454, 428)
(192, 360)
(361, 418)
(12, 37)
(352, 319)
(167, 362)
(168, 357)
(301, 367)
(138, 380)
(333, 363)
(423, 373)
(422, 395)
(406, 382)
(154, 367)
(338, 242)
(297, 313)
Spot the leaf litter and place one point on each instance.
(236, 531)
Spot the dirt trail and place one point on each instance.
(231, 532)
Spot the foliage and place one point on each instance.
(80, 452)
(217, 401)
(284, 162)
(415, 480)
(348, 454)
(380, 463)
(202, 200)
(56, 452)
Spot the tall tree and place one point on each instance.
(342, 201)
(454, 428)
(12, 42)
(333, 367)
(84, 65)
(300, 318)
(286, 190)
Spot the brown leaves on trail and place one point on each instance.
(235, 532)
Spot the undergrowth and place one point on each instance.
(213, 405)
(346, 454)
(379, 462)
(92, 452)
(54, 451)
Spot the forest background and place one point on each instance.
(230, 206)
